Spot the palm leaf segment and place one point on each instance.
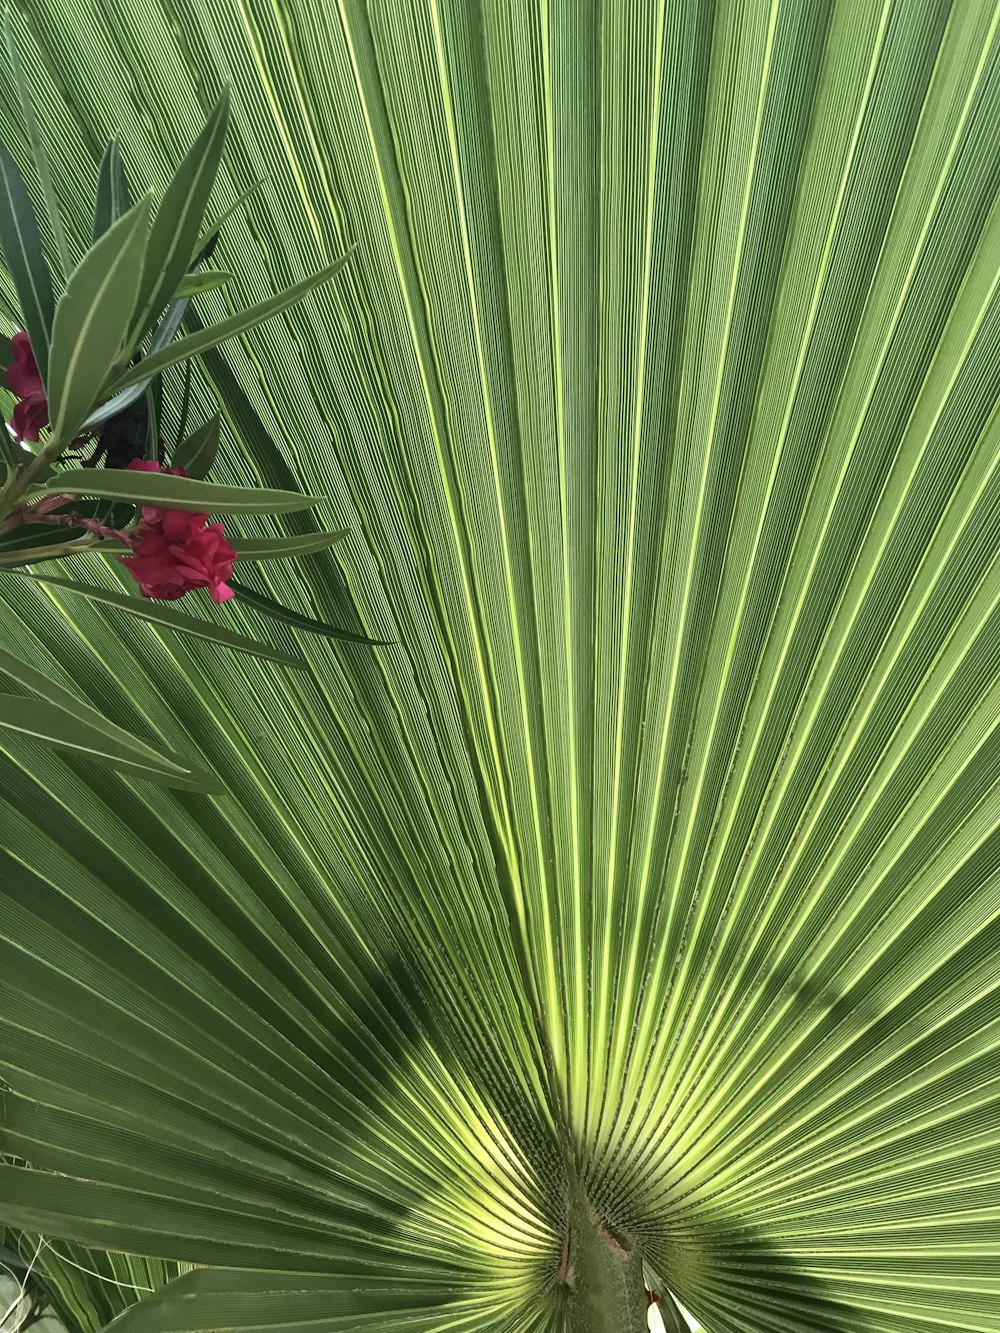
(660, 840)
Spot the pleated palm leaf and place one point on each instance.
(632, 911)
(65, 1286)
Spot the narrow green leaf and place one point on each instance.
(169, 492)
(153, 394)
(33, 542)
(192, 284)
(43, 722)
(174, 233)
(197, 453)
(11, 1259)
(92, 317)
(113, 196)
(185, 400)
(259, 548)
(236, 324)
(400, 1299)
(213, 230)
(284, 548)
(22, 251)
(148, 609)
(276, 611)
(37, 147)
(165, 330)
(8, 453)
(36, 681)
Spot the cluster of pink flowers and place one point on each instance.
(174, 552)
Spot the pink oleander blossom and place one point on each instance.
(32, 412)
(174, 552)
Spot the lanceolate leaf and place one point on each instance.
(212, 232)
(113, 196)
(165, 330)
(152, 610)
(197, 453)
(171, 492)
(194, 283)
(194, 343)
(673, 1320)
(259, 548)
(285, 548)
(41, 721)
(269, 607)
(38, 153)
(174, 234)
(91, 720)
(203, 1299)
(91, 319)
(22, 253)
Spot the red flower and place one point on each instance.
(32, 412)
(173, 550)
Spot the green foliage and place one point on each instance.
(174, 234)
(170, 492)
(198, 452)
(172, 619)
(101, 735)
(74, 1289)
(91, 319)
(193, 284)
(657, 848)
(113, 196)
(21, 244)
(286, 547)
(194, 344)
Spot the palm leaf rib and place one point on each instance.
(652, 850)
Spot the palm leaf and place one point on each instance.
(79, 1289)
(655, 855)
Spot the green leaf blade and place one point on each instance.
(198, 452)
(175, 229)
(259, 548)
(269, 607)
(114, 198)
(150, 609)
(41, 721)
(170, 492)
(194, 343)
(215, 227)
(285, 548)
(22, 250)
(67, 703)
(162, 335)
(193, 284)
(91, 320)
